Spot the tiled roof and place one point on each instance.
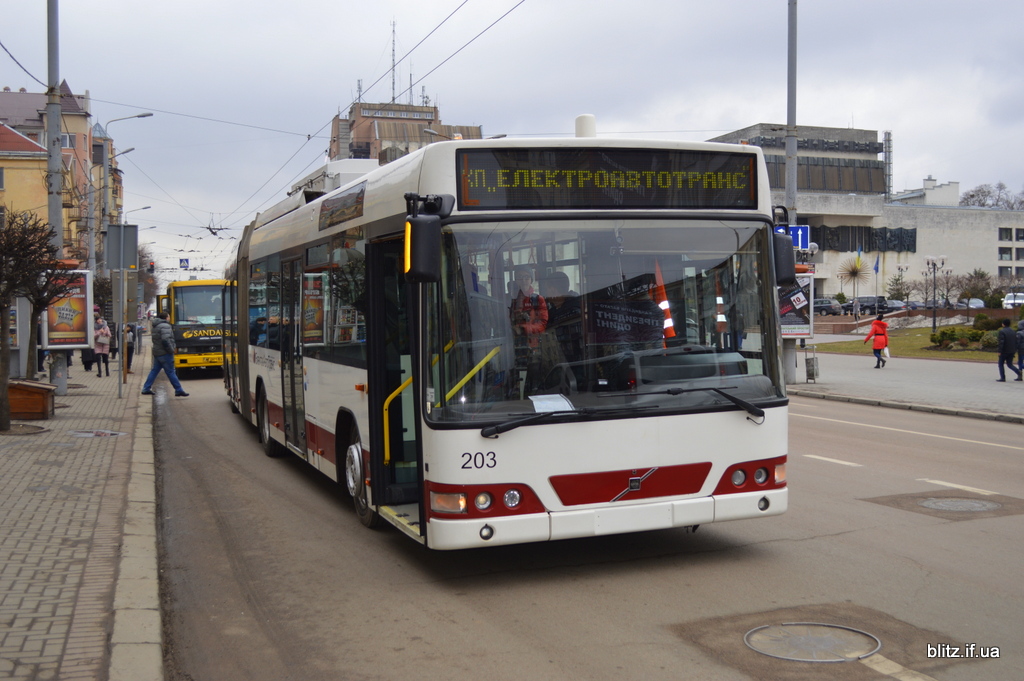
(13, 141)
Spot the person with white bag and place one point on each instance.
(880, 331)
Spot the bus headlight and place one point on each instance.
(761, 476)
(482, 501)
(739, 476)
(512, 498)
(441, 502)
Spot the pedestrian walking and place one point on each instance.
(1020, 345)
(880, 332)
(129, 346)
(163, 356)
(856, 309)
(1007, 349)
(101, 336)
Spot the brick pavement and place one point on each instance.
(78, 573)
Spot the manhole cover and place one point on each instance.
(96, 433)
(957, 504)
(811, 642)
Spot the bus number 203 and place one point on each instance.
(479, 460)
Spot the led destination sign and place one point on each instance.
(524, 179)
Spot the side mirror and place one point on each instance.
(785, 259)
(423, 249)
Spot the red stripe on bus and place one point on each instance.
(630, 484)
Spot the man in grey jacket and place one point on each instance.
(163, 356)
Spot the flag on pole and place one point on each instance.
(876, 264)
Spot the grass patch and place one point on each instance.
(909, 343)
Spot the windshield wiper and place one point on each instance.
(752, 409)
(504, 427)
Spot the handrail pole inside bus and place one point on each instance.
(387, 430)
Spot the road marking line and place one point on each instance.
(825, 458)
(955, 486)
(884, 665)
(909, 432)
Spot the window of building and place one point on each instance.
(1, 178)
(1006, 254)
(67, 140)
(1020, 235)
(1020, 271)
(1008, 271)
(1020, 254)
(1005, 234)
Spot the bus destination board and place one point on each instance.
(605, 179)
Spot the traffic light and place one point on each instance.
(152, 267)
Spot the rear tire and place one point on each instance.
(271, 447)
(354, 482)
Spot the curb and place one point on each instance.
(136, 652)
(892, 404)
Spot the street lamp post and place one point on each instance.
(122, 294)
(106, 170)
(933, 265)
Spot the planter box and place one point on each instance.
(31, 400)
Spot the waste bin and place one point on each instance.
(811, 361)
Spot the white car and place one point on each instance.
(1013, 300)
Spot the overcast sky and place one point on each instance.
(243, 92)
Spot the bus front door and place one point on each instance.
(394, 464)
(291, 357)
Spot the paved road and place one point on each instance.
(78, 596)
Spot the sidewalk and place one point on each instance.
(79, 594)
(937, 385)
(79, 591)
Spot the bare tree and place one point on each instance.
(988, 196)
(26, 250)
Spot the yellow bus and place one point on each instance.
(196, 314)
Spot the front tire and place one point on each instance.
(355, 485)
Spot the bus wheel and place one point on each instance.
(355, 485)
(270, 446)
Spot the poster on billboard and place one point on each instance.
(68, 321)
(796, 309)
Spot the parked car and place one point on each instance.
(972, 303)
(897, 305)
(868, 305)
(827, 306)
(1012, 300)
(915, 304)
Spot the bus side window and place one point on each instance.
(258, 305)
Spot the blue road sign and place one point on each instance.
(183, 263)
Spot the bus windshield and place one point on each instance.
(579, 317)
(197, 305)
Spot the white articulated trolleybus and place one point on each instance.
(516, 340)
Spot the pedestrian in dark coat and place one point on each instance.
(1007, 349)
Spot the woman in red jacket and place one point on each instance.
(880, 330)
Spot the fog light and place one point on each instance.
(761, 476)
(763, 504)
(447, 503)
(739, 476)
(486, 532)
(512, 498)
(482, 501)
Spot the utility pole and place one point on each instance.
(789, 344)
(54, 166)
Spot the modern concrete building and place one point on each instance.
(844, 194)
